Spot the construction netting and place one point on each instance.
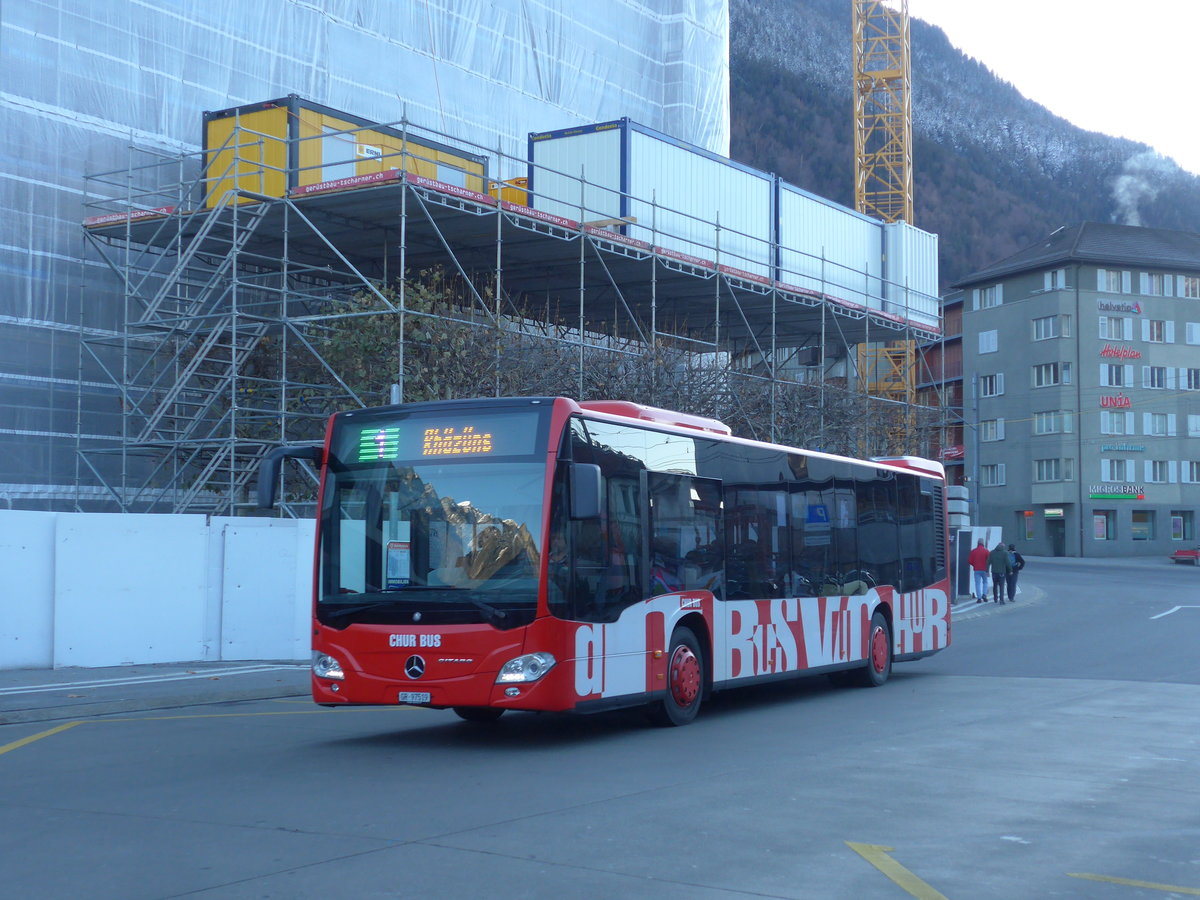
(84, 83)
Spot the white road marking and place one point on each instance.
(1172, 610)
(145, 679)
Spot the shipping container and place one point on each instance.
(698, 206)
(294, 146)
(910, 273)
(828, 248)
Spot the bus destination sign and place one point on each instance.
(456, 441)
(441, 437)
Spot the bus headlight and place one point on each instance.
(527, 668)
(325, 666)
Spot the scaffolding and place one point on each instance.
(222, 293)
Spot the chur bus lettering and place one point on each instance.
(582, 556)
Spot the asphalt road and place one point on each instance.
(1053, 751)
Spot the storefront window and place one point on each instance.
(1142, 528)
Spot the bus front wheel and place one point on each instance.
(685, 681)
(879, 653)
(478, 713)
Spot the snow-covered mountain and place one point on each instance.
(993, 171)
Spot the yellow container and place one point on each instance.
(515, 190)
(291, 145)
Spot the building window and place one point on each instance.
(1191, 471)
(992, 475)
(1183, 525)
(1158, 471)
(1190, 286)
(1192, 380)
(988, 297)
(1154, 377)
(1052, 470)
(1113, 471)
(1116, 328)
(991, 385)
(1053, 422)
(1112, 282)
(1158, 331)
(1046, 327)
(1049, 374)
(1054, 279)
(991, 430)
(1116, 422)
(1193, 425)
(1159, 424)
(1142, 526)
(1193, 333)
(989, 341)
(1104, 524)
(1115, 376)
(1155, 284)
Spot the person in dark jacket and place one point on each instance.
(1018, 563)
(1000, 565)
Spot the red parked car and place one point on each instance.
(1187, 556)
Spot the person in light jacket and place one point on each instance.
(1000, 565)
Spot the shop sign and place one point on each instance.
(1123, 448)
(1053, 512)
(1105, 491)
(1112, 351)
(1118, 402)
(1119, 306)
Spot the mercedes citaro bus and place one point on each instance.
(547, 554)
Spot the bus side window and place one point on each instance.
(685, 534)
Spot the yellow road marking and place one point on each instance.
(877, 856)
(16, 745)
(1129, 882)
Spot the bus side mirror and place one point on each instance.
(268, 469)
(585, 491)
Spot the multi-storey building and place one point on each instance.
(1081, 360)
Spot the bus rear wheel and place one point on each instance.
(685, 681)
(482, 714)
(879, 653)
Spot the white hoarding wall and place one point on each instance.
(96, 589)
(829, 249)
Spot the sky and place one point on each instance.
(1120, 67)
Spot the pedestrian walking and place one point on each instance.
(1018, 563)
(1000, 565)
(978, 560)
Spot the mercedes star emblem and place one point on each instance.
(414, 667)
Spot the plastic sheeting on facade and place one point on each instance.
(82, 83)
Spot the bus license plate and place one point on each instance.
(415, 697)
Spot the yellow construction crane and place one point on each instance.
(883, 186)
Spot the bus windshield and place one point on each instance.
(451, 537)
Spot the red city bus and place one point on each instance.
(543, 554)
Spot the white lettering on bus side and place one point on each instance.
(589, 660)
(830, 632)
(923, 621)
